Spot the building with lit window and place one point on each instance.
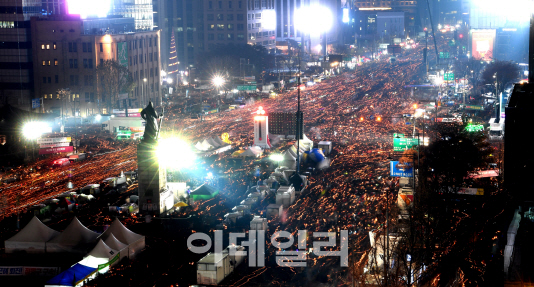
(66, 57)
(16, 70)
(261, 23)
(140, 10)
(199, 25)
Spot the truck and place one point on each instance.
(496, 128)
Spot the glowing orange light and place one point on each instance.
(361, 119)
(378, 118)
(415, 106)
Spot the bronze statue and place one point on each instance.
(152, 126)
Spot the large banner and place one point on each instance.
(482, 44)
(54, 140)
(56, 150)
(122, 53)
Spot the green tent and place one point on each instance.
(204, 192)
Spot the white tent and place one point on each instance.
(219, 141)
(199, 146)
(206, 145)
(135, 242)
(213, 142)
(252, 152)
(75, 238)
(114, 243)
(101, 255)
(32, 238)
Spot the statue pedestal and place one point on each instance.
(154, 197)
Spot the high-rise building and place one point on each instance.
(415, 12)
(140, 10)
(16, 70)
(65, 56)
(261, 23)
(286, 27)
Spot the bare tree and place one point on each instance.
(113, 79)
(500, 73)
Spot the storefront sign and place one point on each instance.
(56, 150)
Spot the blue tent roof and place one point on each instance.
(72, 275)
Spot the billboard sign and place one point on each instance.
(400, 170)
(46, 145)
(54, 140)
(56, 150)
(482, 42)
(484, 173)
(122, 111)
(471, 191)
(402, 144)
(122, 53)
(473, 107)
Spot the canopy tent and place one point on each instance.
(219, 141)
(101, 257)
(75, 238)
(135, 242)
(238, 153)
(206, 145)
(199, 146)
(72, 276)
(252, 152)
(203, 192)
(114, 243)
(31, 239)
(213, 142)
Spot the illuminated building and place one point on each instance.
(261, 129)
(66, 56)
(140, 10)
(261, 23)
(16, 82)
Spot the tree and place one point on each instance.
(500, 73)
(113, 79)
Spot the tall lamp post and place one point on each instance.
(315, 20)
(143, 96)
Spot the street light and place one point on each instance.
(314, 20)
(278, 158)
(32, 131)
(218, 81)
(143, 96)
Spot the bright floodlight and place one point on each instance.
(313, 19)
(33, 130)
(268, 19)
(218, 81)
(98, 117)
(169, 80)
(84, 8)
(175, 153)
(210, 175)
(277, 157)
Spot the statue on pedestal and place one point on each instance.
(153, 124)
